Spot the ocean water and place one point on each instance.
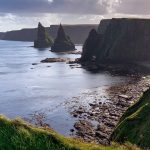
(26, 89)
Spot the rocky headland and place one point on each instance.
(43, 39)
(120, 41)
(62, 42)
(121, 47)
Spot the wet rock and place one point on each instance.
(34, 64)
(101, 135)
(84, 128)
(72, 52)
(125, 96)
(53, 60)
(110, 123)
(71, 130)
(123, 103)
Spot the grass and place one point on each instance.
(135, 124)
(19, 135)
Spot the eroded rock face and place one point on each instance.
(43, 39)
(62, 42)
(90, 45)
(125, 40)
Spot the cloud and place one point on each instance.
(17, 14)
(53, 6)
(134, 7)
(95, 7)
(78, 6)
(14, 22)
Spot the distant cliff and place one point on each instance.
(122, 40)
(2, 35)
(78, 33)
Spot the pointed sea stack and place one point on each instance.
(43, 40)
(62, 42)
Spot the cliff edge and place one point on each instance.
(122, 40)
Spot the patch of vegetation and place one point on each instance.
(18, 135)
(135, 124)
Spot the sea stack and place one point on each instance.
(43, 39)
(62, 42)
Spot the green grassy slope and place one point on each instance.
(135, 124)
(18, 135)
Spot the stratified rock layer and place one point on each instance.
(124, 40)
(43, 39)
(62, 42)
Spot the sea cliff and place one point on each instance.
(122, 40)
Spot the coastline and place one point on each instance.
(98, 121)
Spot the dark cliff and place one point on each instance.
(62, 42)
(90, 46)
(2, 35)
(124, 40)
(30, 34)
(43, 40)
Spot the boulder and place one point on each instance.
(62, 42)
(43, 39)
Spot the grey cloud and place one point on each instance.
(136, 7)
(78, 6)
(56, 6)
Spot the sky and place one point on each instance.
(18, 14)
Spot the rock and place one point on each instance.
(110, 123)
(124, 41)
(84, 128)
(53, 60)
(123, 103)
(72, 52)
(101, 135)
(89, 47)
(75, 115)
(125, 96)
(72, 130)
(43, 39)
(62, 42)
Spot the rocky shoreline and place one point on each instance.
(53, 60)
(97, 122)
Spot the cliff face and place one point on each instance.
(62, 42)
(43, 39)
(90, 45)
(124, 40)
(30, 34)
(103, 26)
(1, 35)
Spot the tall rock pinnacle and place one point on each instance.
(43, 39)
(62, 42)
